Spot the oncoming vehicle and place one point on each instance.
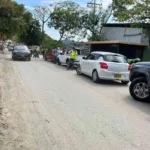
(10, 47)
(140, 81)
(105, 65)
(21, 52)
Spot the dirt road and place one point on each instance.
(47, 107)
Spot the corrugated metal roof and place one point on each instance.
(125, 25)
(114, 42)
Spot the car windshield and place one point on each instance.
(115, 58)
(21, 48)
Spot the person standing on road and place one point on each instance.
(44, 52)
(72, 58)
(57, 53)
(31, 51)
(36, 52)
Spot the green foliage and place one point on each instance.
(13, 18)
(66, 19)
(132, 11)
(50, 43)
(136, 12)
(42, 14)
(94, 21)
(32, 34)
(17, 23)
(71, 20)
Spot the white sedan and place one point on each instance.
(105, 65)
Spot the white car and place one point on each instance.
(105, 65)
(63, 59)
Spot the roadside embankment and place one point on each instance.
(1, 81)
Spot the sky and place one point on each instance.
(29, 4)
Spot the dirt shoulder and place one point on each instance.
(2, 124)
(16, 131)
(1, 80)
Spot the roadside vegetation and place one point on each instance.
(20, 25)
(71, 20)
(133, 11)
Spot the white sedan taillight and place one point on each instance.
(129, 67)
(103, 65)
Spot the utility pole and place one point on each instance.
(93, 3)
(94, 6)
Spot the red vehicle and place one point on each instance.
(49, 55)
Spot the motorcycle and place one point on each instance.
(35, 55)
(72, 65)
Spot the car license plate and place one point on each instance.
(117, 76)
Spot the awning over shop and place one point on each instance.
(114, 42)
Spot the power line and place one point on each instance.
(94, 4)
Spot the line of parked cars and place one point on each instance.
(102, 66)
(111, 66)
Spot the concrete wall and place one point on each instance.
(134, 35)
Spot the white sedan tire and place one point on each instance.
(78, 70)
(95, 76)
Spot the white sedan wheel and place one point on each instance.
(78, 70)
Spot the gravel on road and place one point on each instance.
(47, 107)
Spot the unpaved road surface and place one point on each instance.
(47, 107)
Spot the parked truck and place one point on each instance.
(63, 58)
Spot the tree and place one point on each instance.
(32, 34)
(94, 21)
(13, 18)
(42, 13)
(133, 11)
(65, 18)
(51, 43)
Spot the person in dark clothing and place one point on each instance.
(43, 53)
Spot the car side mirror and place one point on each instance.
(84, 58)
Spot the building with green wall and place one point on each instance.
(146, 55)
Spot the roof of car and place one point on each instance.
(20, 46)
(105, 53)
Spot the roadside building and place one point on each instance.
(125, 33)
(130, 50)
(124, 39)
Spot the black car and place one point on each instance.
(21, 52)
(140, 81)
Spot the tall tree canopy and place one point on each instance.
(32, 34)
(133, 11)
(71, 20)
(50, 43)
(13, 18)
(65, 18)
(42, 13)
(94, 20)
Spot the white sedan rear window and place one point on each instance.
(115, 58)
